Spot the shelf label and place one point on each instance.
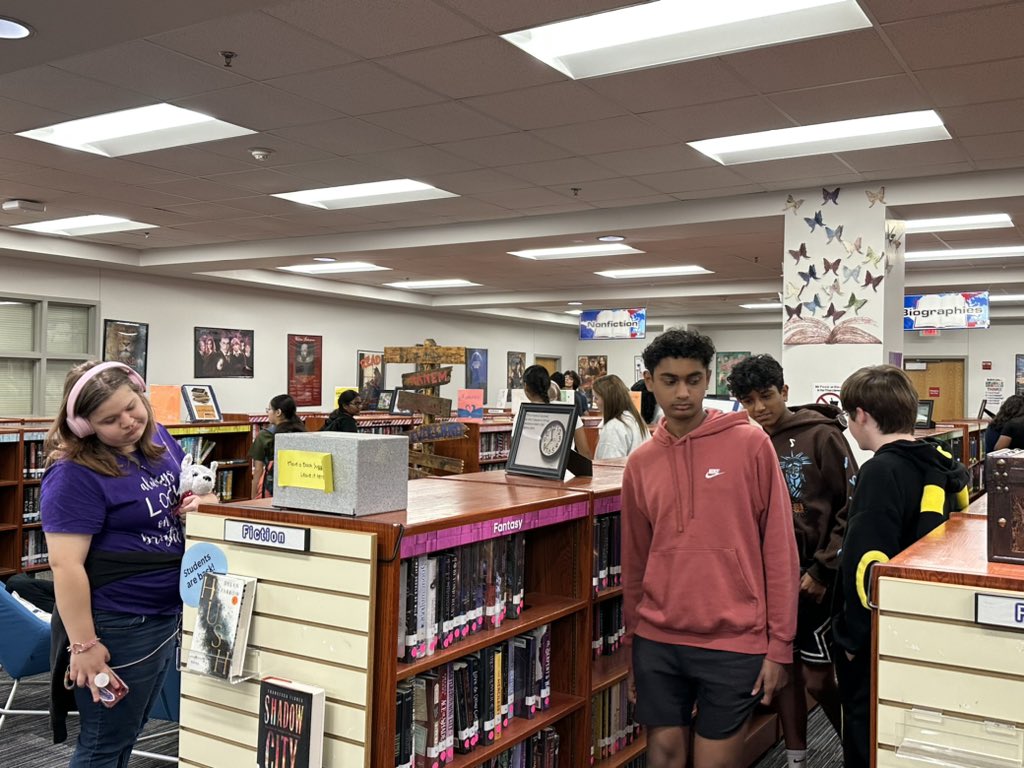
(267, 535)
(304, 469)
(1005, 611)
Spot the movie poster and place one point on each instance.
(305, 359)
(515, 369)
(223, 353)
(126, 342)
(369, 377)
(591, 367)
(476, 370)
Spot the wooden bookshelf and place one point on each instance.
(483, 447)
(231, 442)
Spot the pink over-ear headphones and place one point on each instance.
(80, 425)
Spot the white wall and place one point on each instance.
(172, 307)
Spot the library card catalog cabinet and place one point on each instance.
(949, 654)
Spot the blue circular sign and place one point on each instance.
(198, 559)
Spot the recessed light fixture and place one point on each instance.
(763, 305)
(957, 254)
(11, 29)
(824, 138)
(79, 226)
(416, 284)
(363, 195)
(655, 272)
(143, 129)
(611, 238)
(334, 268)
(576, 312)
(575, 252)
(324, 258)
(656, 33)
(574, 303)
(999, 297)
(958, 223)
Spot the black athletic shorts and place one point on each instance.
(671, 678)
(813, 643)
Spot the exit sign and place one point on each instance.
(930, 332)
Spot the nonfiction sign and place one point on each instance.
(966, 309)
(613, 324)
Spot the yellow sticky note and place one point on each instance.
(304, 469)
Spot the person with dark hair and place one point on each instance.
(282, 419)
(558, 378)
(1006, 430)
(623, 429)
(574, 382)
(709, 566)
(343, 418)
(820, 472)
(537, 386)
(903, 492)
(113, 524)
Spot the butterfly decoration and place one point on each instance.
(834, 234)
(835, 288)
(851, 274)
(831, 266)
(791, 291)
(872, 281)
(810, 274)
(799, 253)
(817, 221)
(813, 305)
(892, 239)
(856, 304)
(872, 258)
(792, 312)
(792, 204)
(834, 313)
(875, 197)
(851, 248)
(833, 196)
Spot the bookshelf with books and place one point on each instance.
(971, 445)
(484, 447)
(371, 422)
(10, 501)
(227, 443)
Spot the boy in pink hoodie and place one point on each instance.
(709, 566)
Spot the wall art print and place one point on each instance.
(590, 367)
(515, 367)
(369, 377)
(476, 369)
(1018, 376)
(223, 353)
(126, 342)
(724, 363)
(305, 366)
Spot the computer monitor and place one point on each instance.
(983, 411)
(924, 414)
(725, 404)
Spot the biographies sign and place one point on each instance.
(966, 309)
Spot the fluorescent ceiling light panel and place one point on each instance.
(763, 305)
(655, 272)
(958, 254)
(960, 223)
(575, 251)
(824, 138)
(79, 226)
(416, 284)
(363, 195)
(144, 129)
(576, 312)
(998, 297)
(336, 267)
(668, 31)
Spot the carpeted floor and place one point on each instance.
(25, 741)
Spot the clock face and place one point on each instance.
(551, 439)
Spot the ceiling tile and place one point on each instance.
(927, 153)
(202, 189)
(973, 36)
(67, 93)
(411, 162)
(674, 85)
(544, 106)
(909, 172)
(152, 70)
(847, 57)
(610, 189)
(609, 135)
(976, 83)
(53, 178)
(534, 197)
(886, 11)
(285, 152)
(631, 201)
(374, 29)
(266, 204)
(333, 173)
(265, 180)
(345, 137)
(126, 171)
(14, 167)
(502, 16)
(994, 146)
(189, 161)
(357, 89)
(18, 116)
(266, 47)
(257, 107)
(568, 172)
(472, 68)
(982, 119)
(132, 195)
(845, 101)
(507, 149)
(474, 182)
(435, 123)
(633, 162)
(817, 166)
(207, 211)
(697, 179)
(725, 118)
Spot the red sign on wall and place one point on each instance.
(933, 392)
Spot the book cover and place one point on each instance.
(291, 725)
(222, 625)
(471, 404)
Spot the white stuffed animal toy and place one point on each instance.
(196, 480)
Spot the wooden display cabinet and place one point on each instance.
(232, 440)
(484, 447)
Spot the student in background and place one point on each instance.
(558, 378)
(904, 491)
(820, 472)
(282, 417)
(623, 429)
(1006, 430)
(709, 566)
(574, 382)
(112, 517)
(650, 411)
(343, 419)
(537, 385)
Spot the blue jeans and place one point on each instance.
(108, 735)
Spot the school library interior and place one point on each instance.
(342, 249)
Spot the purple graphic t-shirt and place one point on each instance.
(136, 512)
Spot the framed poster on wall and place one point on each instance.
(1018, 375)
(126, 342)
(476, 369)
(223, 353)
(305, 356)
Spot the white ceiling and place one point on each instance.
(348, 91)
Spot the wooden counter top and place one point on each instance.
(606, 480)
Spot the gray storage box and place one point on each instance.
(370, 473)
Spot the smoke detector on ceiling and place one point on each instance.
(260, 153)
(23, 206)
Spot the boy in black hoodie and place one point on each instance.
(906, 490)
(820, 471)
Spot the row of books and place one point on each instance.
(34, 460)
(446, 596)
(198, 447)
(539, 751)
(978, 477)
(225, 485)
(497, 466)
(459, 706)
(607, 566)
(609, 626)
(495, 445)
(613, 723)
(30, 504)
(33, 549)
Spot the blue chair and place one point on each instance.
(24, 649)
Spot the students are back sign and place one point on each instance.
(967, 309)
(613, 324)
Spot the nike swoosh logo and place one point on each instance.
(713, 473)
